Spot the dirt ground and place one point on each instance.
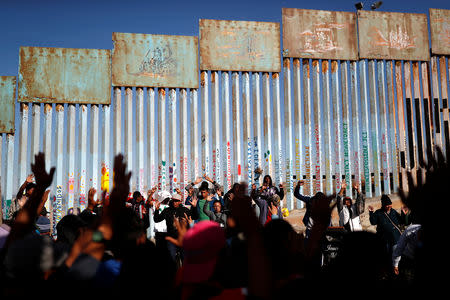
(295, 216)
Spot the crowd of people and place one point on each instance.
(216, 245)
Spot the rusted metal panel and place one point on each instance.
(440, 31)
(239, 46)
(387, 35)
(154, 60)
(319, 34)
(7, 108)
(64, 75)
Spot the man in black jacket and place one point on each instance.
(175, 210)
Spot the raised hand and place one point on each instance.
(273, 209)
(30, 178)
(207, 178)
(194, 201)
(43, 179)
(209, 198)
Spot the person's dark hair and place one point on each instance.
(68, 229)
(218, 201)
(136, 194)
(204, 186)
(270, 180)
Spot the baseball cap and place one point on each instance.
(202, 244)
(385, 200)
(176, 197)
(162, 195)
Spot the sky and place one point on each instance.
(90, 23)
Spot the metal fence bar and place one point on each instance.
(412, 145)
(247, 133)
(58, 207)
(367, 166)
(184, 142)
(106, 132)
(257, 133)
(162, 134)
(173, 145)
(327, 141)
(71, 125)
(140, 180)
(23, 143)
(427, 106)
(267, 113)
(393, 131)
(289, 133)
(438, 124)
(277, 133)
(117, 121)
(318, 170)
(8, 192)
(385, 154)
(337, 155)
(402, 125)
(374, 115)
(421, 146)
(195, 138)
(216, 133)
(80, 194)
(356, 128)
(128, 135)
(298, 125)
(47, 144)
(35, 130)
(308, 190)
(151, 139)
(346, 101)
(228, 130)
(205, 124)
(237, 127)
(94, 151)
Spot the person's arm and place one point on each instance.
(29, 179)
(280, 191)
(299, 196)
(372, 216)
(360, 203)
(159, 216)
(207, 211)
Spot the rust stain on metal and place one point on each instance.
(7, 100)
(440, 31)
(203, 79)
(286, 63)
(239, 46)
(150, 60)
(63, 75)
(24, 107)
(334, 66)
(306, 67)
(386, 35)
(47, 108)
(319, 34)
(59, 108)
(162, 92)
(324, 66)
(213, 77)
(296, 62)
(275, 75)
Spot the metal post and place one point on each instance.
(317, 128)
(438, 124)
(195, 114)
(279, 172)
(23, 143)
(47, 142)
(117, 121)
(205, 128)
(140, 179)
(412, 139)
(35, 145)
(384, 147)
(401, 125)
(8, 192)
(445, 106)
(327, 141)
(374, 115)
(393, 126)
(129, 136)
(337, 123)
(71, 125)
(289, 134)
(365, 137)
(83, 129)
(257, 133)
(151, 138)
(427, 105)
(58, 211)
(307, 127)
(237, 127)
(356, 142)
(173, 148)
(106, 132)
(227, 126)
(184, 140)
(162, 127)
(247, 117)
(217, 137)
(298, 126)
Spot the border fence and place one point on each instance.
(363, 99)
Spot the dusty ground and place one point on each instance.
(296, 215)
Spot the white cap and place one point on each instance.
(161, 195)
